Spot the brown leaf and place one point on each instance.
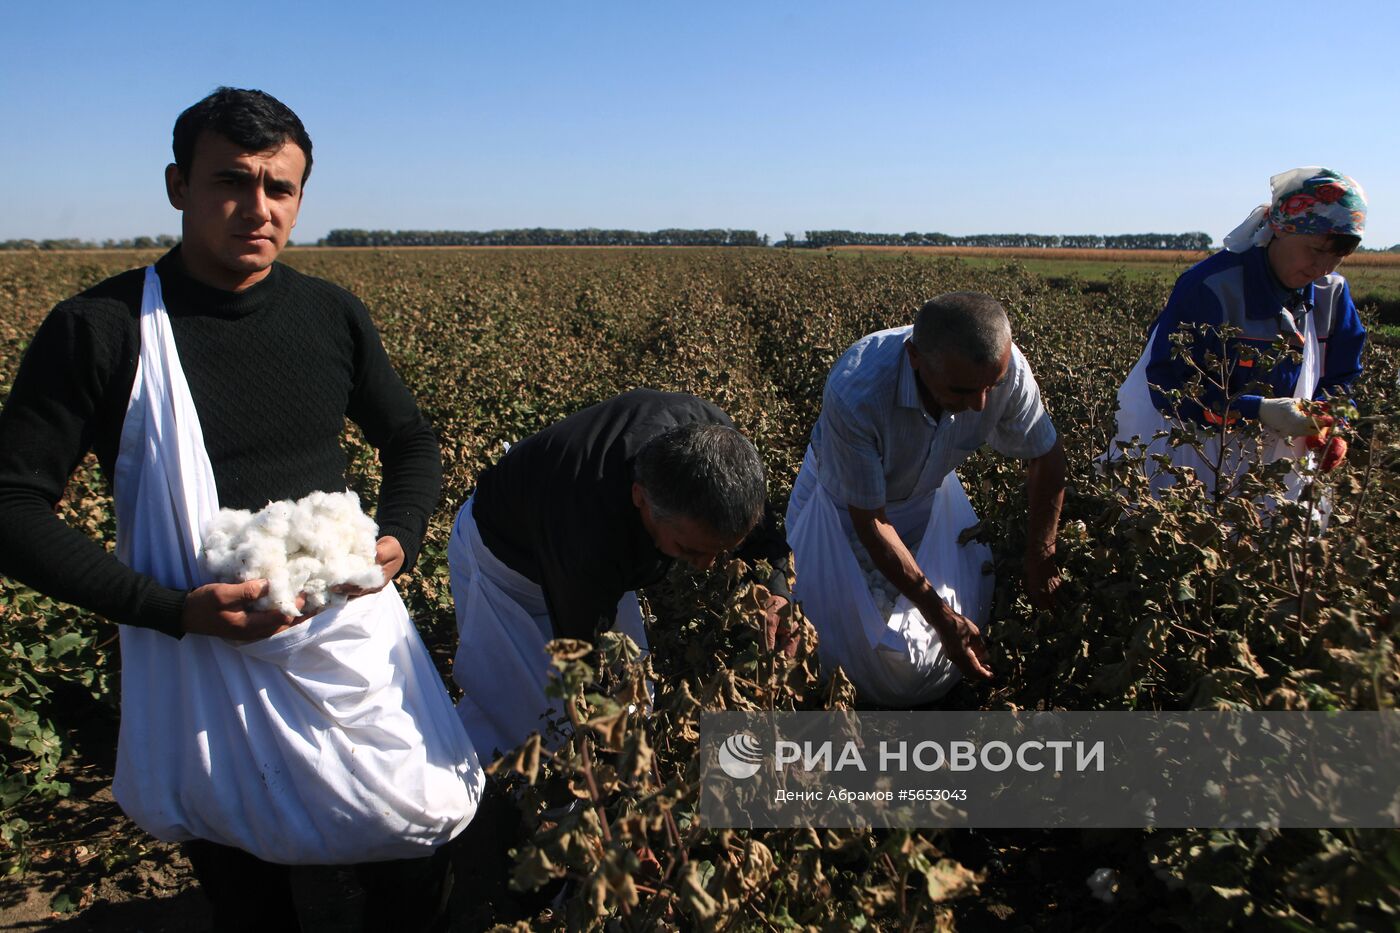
(968, 534)
(524, 760)
(694, 896)
(947, 879)
(569, 649)
(636, 755)
(610, 729)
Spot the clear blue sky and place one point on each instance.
(979, 117)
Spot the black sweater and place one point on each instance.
(557, 508)
(274, 371)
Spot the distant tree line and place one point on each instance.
(164, 241)
(817, 239)
(542, 236)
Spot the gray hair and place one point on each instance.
(971, 325)
(707, 472)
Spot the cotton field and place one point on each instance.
(1186, 604)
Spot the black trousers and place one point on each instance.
(403, 896)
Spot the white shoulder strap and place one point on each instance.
(164, 484)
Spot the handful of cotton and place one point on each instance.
(885, 593)
(303, 547)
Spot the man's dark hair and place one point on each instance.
(707, 472)
(971, 325)
(1342, 244)
(251, 119)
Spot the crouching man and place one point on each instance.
(565, 527)
(220, 377)
(901, 410)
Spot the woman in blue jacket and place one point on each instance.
(1276, 278)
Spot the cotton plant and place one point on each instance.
(307, 548)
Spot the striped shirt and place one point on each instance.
(875, 444)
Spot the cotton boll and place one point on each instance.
(365, 539)
(263, 555)
(362, 537)
(230, 521)
(279, 596)
(353, 569)
(368, 577)
(336, 565)
(302, 548)
(221, 541)
(884, 593)
(260, 555)
(317, 588)
(303, 573)
(225, 529)
(318, 595)
(214, 560)
(310, 533)
(1103, 884)
(272, 521)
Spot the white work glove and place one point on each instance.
(1286, 416)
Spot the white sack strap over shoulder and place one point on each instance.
(162, 463)
(332, 742)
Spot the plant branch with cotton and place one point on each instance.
(316, 547)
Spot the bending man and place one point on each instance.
(565, 528)
(902, 408)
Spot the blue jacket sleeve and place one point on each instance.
(1342, 361)
(1191, 303)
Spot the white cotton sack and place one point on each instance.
(883, 592)
(302, 548)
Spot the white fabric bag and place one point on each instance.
(894, 660)
(332, 742)
(502, 628)
(1138, 417)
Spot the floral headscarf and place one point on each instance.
(1306, 200)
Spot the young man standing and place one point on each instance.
(220, 378)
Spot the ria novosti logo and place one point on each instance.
(740, 756)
